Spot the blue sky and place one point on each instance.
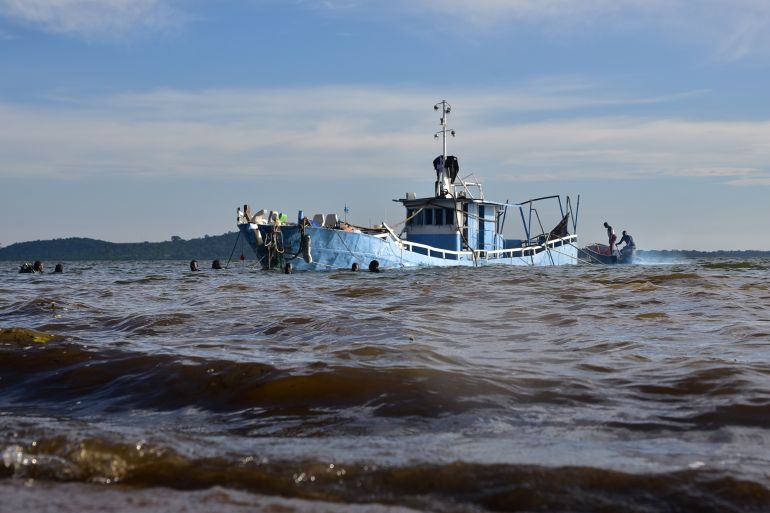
(133, 120)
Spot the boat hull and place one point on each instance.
(339, 249)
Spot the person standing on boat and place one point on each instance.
(611, 237)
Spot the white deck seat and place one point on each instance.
(318, 220)
(259, 217)
(331, 220)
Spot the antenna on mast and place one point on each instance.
(445, 110)
(442, 180)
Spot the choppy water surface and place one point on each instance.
(579, 388)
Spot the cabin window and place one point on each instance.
(417, 220)
(439, 216)
(449, 215)
(481, 218)
(428, 215)
(409, 213)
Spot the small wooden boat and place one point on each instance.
(600, 254)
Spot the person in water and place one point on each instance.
(288, 269)
(354, 267)
(38, 266)
(216, 264)
(193, 265)
(26, 267)
(374, 266)
(59, 268)
(611, 237)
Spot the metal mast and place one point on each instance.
(445, 110)
(442, 180)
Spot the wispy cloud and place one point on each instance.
(762, 180)
(732, 29)
(345, 131)
(572, 11)
(747, 31)
(334, 5)
(92, 18)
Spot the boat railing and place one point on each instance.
(464, 188)
(486, 254)
(432, 251)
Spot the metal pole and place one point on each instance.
(444, 124)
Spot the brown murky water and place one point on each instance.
(580, 388)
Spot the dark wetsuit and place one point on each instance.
(628, 240)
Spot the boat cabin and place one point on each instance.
(457, 218)
(453, 224)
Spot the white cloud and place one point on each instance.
(92, 18)
(618, 148)
(344, 131)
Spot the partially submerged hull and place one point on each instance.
(331, 248)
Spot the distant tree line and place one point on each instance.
(77, 248)
(689, 253)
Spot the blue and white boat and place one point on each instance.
(456, 226)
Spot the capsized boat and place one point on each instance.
(600, 254)
(456, 226)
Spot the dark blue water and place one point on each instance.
(577, 388)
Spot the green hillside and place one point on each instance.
(77, 248)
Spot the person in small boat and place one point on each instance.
(59, 268)
(193, 265)
(611, 237)
(629, 247)
(216, 264)
(627, 240)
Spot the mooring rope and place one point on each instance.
(233, 251)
